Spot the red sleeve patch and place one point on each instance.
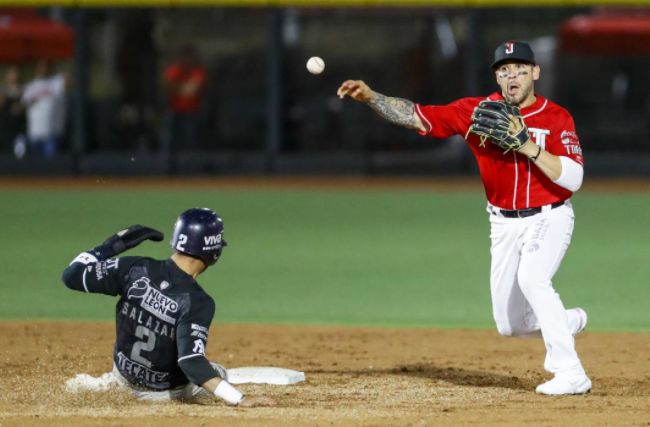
(569, 138)
(571, 145)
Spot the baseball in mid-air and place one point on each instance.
(315, 65)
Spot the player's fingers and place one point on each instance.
(343, 92)
(514, 122)
(342, 89)
(350, 90)
(345, 88)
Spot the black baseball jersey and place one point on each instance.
(162, 318)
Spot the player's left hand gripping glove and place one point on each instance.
(501, 123)
(124, 240)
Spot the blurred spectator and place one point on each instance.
(184, 83)
(44, 99)
(12, 114)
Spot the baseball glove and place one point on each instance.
(491, 120)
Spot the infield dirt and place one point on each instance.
(355, 377)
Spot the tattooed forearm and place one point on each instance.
(396, 110)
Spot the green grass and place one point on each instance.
(375, 257)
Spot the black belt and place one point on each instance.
(523, 213)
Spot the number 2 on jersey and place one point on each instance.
(147, 345)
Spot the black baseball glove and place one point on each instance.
(126, 239)
(491, 120)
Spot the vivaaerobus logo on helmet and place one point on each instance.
(212, 242)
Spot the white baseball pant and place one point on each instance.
(526, 253)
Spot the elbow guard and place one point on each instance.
(571, 175)
(73, 276)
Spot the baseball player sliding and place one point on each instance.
(530, 162)
(163, 315)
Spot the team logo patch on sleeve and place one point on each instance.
(199, 331)
(199, 347)
(569, 138)
(571, 142)
(102, 268)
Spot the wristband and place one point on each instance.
(539, 151)
(571, 175)
(85, 258)
(230, 394)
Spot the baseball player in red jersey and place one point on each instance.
(530, 162)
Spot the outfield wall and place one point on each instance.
(262, 112)
(344, 163)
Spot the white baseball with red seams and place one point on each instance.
(526, 251)
(315, 65)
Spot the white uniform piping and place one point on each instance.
(514, 193)
(419, 112)
(83, 279)
(189, 356)
(537, 111)
(528, 186)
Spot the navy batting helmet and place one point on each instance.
(198, 232)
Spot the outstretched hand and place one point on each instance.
(355, 89)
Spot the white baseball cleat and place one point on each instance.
(565, 384)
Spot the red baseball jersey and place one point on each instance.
(511, 180)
